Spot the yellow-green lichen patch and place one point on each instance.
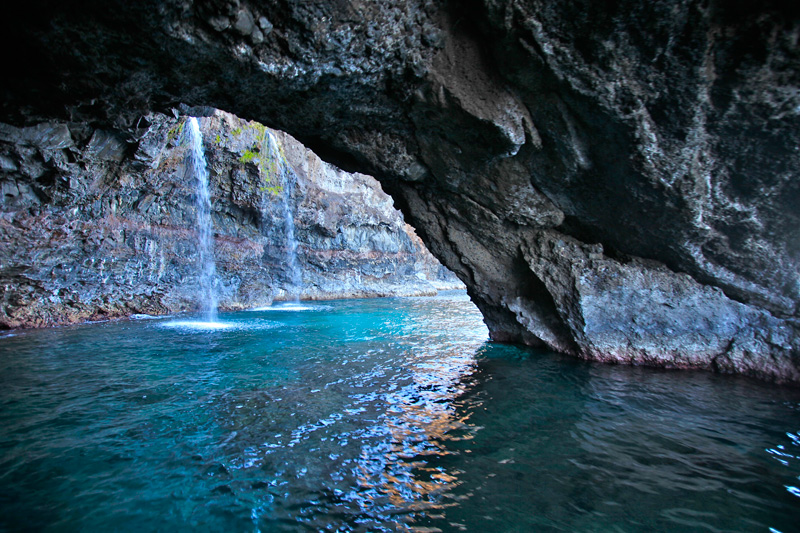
(267, 154)
(248, 156)
(175, 131)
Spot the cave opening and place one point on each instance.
(615, 182)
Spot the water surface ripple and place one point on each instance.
(376, 415)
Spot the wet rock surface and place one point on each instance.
(656, 141)
(93, 227)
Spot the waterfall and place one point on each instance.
(284, 190)
(199, 170)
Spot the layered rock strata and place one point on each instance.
(617, 181)
(93, 229)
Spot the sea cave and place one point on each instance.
(413, 265)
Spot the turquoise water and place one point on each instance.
(376, 415)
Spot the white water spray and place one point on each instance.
(199, 170)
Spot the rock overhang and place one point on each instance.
(540, 150)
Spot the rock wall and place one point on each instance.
(92, 228)
(617, 181)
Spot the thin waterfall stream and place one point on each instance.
(287, 179)
(198, 167)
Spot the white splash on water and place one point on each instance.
(144, 316)
(197, 325)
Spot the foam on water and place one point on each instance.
(144, 316)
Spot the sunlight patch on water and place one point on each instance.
(290, 306)
(199, 326)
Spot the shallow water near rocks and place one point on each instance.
(376, 415)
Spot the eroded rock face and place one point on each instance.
(93, 227)
(616, 181)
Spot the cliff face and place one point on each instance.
(92, 229)
(617, 181)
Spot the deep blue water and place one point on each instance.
(376, 415)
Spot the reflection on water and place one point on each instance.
(418, 419)
(376, 415)
(565, 445)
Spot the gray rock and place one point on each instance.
(219, 23)
(7, 164)
(244, 23)
(257, 37)
(265, 25)
(643, 313)
(48, 136)
(106, 146)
